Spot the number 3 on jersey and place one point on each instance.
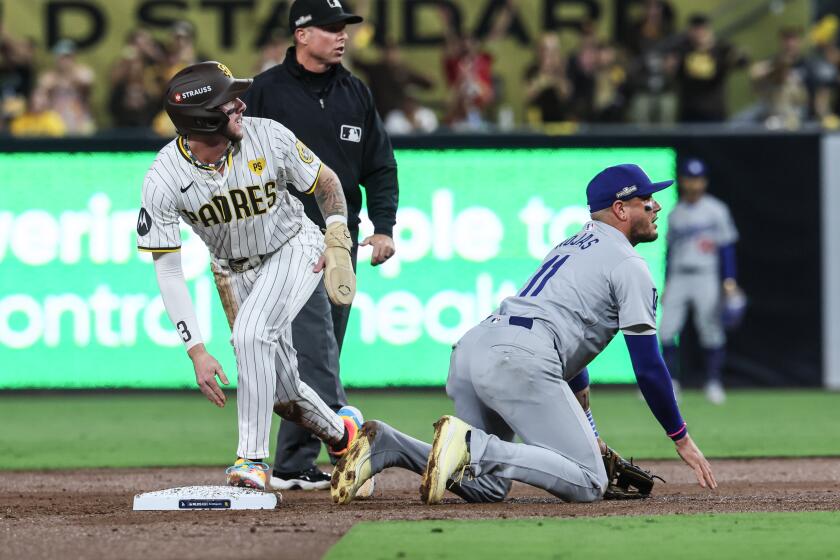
(186, 335)
(542, 276)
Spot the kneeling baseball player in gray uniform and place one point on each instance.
(511, 374)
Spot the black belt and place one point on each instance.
(691, 269)
(245, 263)
(515, 320)
(525, 322)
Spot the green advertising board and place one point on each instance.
(79, 306)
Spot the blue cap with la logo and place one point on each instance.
(692, 167)
(620, 182)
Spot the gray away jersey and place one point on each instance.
(696, 232)
(244, 212)
(587, 288)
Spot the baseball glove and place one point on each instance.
(339, 278)
(626, 481)
(734, 308)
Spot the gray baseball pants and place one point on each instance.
(702, 291)
(506, 380)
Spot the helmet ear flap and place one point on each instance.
(209, 125)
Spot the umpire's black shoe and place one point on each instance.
(312, 479)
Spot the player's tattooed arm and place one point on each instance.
(329, 195)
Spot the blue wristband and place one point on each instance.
(579, 382)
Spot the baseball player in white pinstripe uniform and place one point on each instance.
(227, 176)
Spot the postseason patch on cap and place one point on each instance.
(303, 19)
(626, 191)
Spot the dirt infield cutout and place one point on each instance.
(87, 513)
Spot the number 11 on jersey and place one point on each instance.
(545, 272)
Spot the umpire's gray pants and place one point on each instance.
(507, 380)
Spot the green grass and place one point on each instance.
(735, 536)
(124, 429)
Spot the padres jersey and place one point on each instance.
(696, 232)
(245, 211)
(587, 288)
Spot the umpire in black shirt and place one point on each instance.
(332, 112)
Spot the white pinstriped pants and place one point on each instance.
(260, 304)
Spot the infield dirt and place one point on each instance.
(87, 513)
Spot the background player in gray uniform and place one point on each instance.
(510, 374)
(700, 273)
(227, 177)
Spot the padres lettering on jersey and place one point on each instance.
(587, 288)
(245, 211)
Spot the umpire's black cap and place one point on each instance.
(308, 13)
(194, 94)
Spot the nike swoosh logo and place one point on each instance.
(185, 189)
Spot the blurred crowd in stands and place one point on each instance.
(653, 73)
